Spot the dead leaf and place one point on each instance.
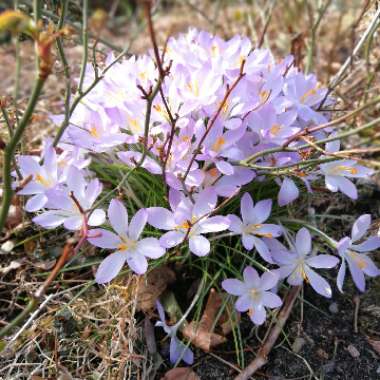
(45, 265)
(151, 287)
(298, 48)
(15, 264)
(200, 333)
(30, 246)
(375, 344)
(7, 246)
(181, 373)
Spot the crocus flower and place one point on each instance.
(69, 206)
(355, 254)
(188, 220)
(297, 264)
(178, 350)
(336, 172)
(254, 293)
(44, 178)
(252, 228)
(125, 241)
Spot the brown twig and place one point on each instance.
(356, 300)
(262, 355)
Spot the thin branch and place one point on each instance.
(10, 150)
(339, 77)
(85, 45)
(311, 48)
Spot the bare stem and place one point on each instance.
(10, 150)
(85, 45)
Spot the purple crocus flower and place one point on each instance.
(126, 242)
(252, 227)
(188, 220)
(44, 177)
(355, 254)
(254, 293)
(297, 263)
(67, 209)
(336, 172)
(178, 350)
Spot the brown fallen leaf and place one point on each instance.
(151, 287)
(375, 344)
(180, 373)
(200, 333)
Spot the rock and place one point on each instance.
(7, 246)
(334, 308)
(353, 351)
(298, 344)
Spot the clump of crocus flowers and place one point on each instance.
(227, 115)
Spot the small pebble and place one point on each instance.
(333, 308)
(298, 344)
(7, 246)
(322, 354)
(353, 351)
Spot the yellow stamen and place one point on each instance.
(213, 172)
(311, 92)
(218, 145)
(255, 294)
(143, 75)
(193, 87)
(42, 180)
(134, 125)
(94, 132)
(359, 261)
(122, 247)
(275, 129)
(264, 95)
(214, 50)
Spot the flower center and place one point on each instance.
(300, 270)
(218, 145)
(193, 87)
(213, 172)
(94, 132)
(255, 294)
(358, 259)
(127, 244)
(311, 92)
(42, 180)
(134, 125)
(275, 129)
(253, 230)
(264, 95)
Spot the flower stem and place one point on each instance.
(10, 149)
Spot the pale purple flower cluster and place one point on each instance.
(227, 103)
(213, 134)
